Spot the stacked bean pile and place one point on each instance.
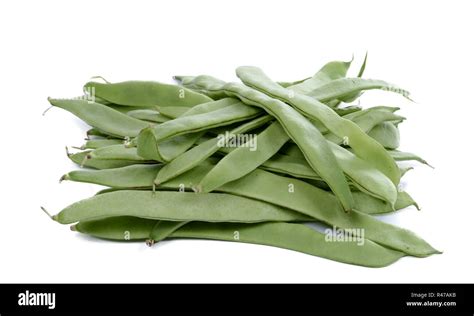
(168, 154)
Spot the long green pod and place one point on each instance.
(363, 146)
(368, 121)
(351, 97)
(201, 152)
(341, 88)
(353, 116)
(173, 111)
(164, 151)
(330, 71)
(83, 159)
(364, 176)
(116, 152)
(297, 237)
(245, 159)
(210, 106)
(290, 165)
(146, 93)
(298, 196)
(120, 228)
(176, 206)
(163, 230)
(311, 142)
(132, 176)
(322, 206)
(195, 123)
(370, 205)
(102, 117)
(148, 115)
(97, 143)
(406, 156)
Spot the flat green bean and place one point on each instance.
(370, 205)
(82, 159)
(176, 206)
(173, 111)
(329, 72)
(344, 87)
(297, 237)
(97, 143)
(243, 160)
(146, 93)
(102, 117)
(405, 156)
(148, 115)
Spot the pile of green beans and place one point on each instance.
(170, 158)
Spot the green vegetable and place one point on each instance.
(177, 162)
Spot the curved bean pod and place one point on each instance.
(97, 143)
(163, 230)
(297, 237)
(344, 87)
(82, 159)
(146, 93)
(176, 206)
(116, 152)
(173, 111)
(102, 117)
(404, 156)
(148, 115)
(329, 72)
(243, 160)
(371, 205)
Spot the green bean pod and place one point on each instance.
(297, 237)
(245, 159)
(341, 88)
(148, 115)
(146, 94)
(84, 159)
(176, 206)
(102, 117)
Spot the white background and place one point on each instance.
(51, 48)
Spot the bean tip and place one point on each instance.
(45, 111)
(73, 228)
(64, 177)
(149, 242)
(47, 213)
